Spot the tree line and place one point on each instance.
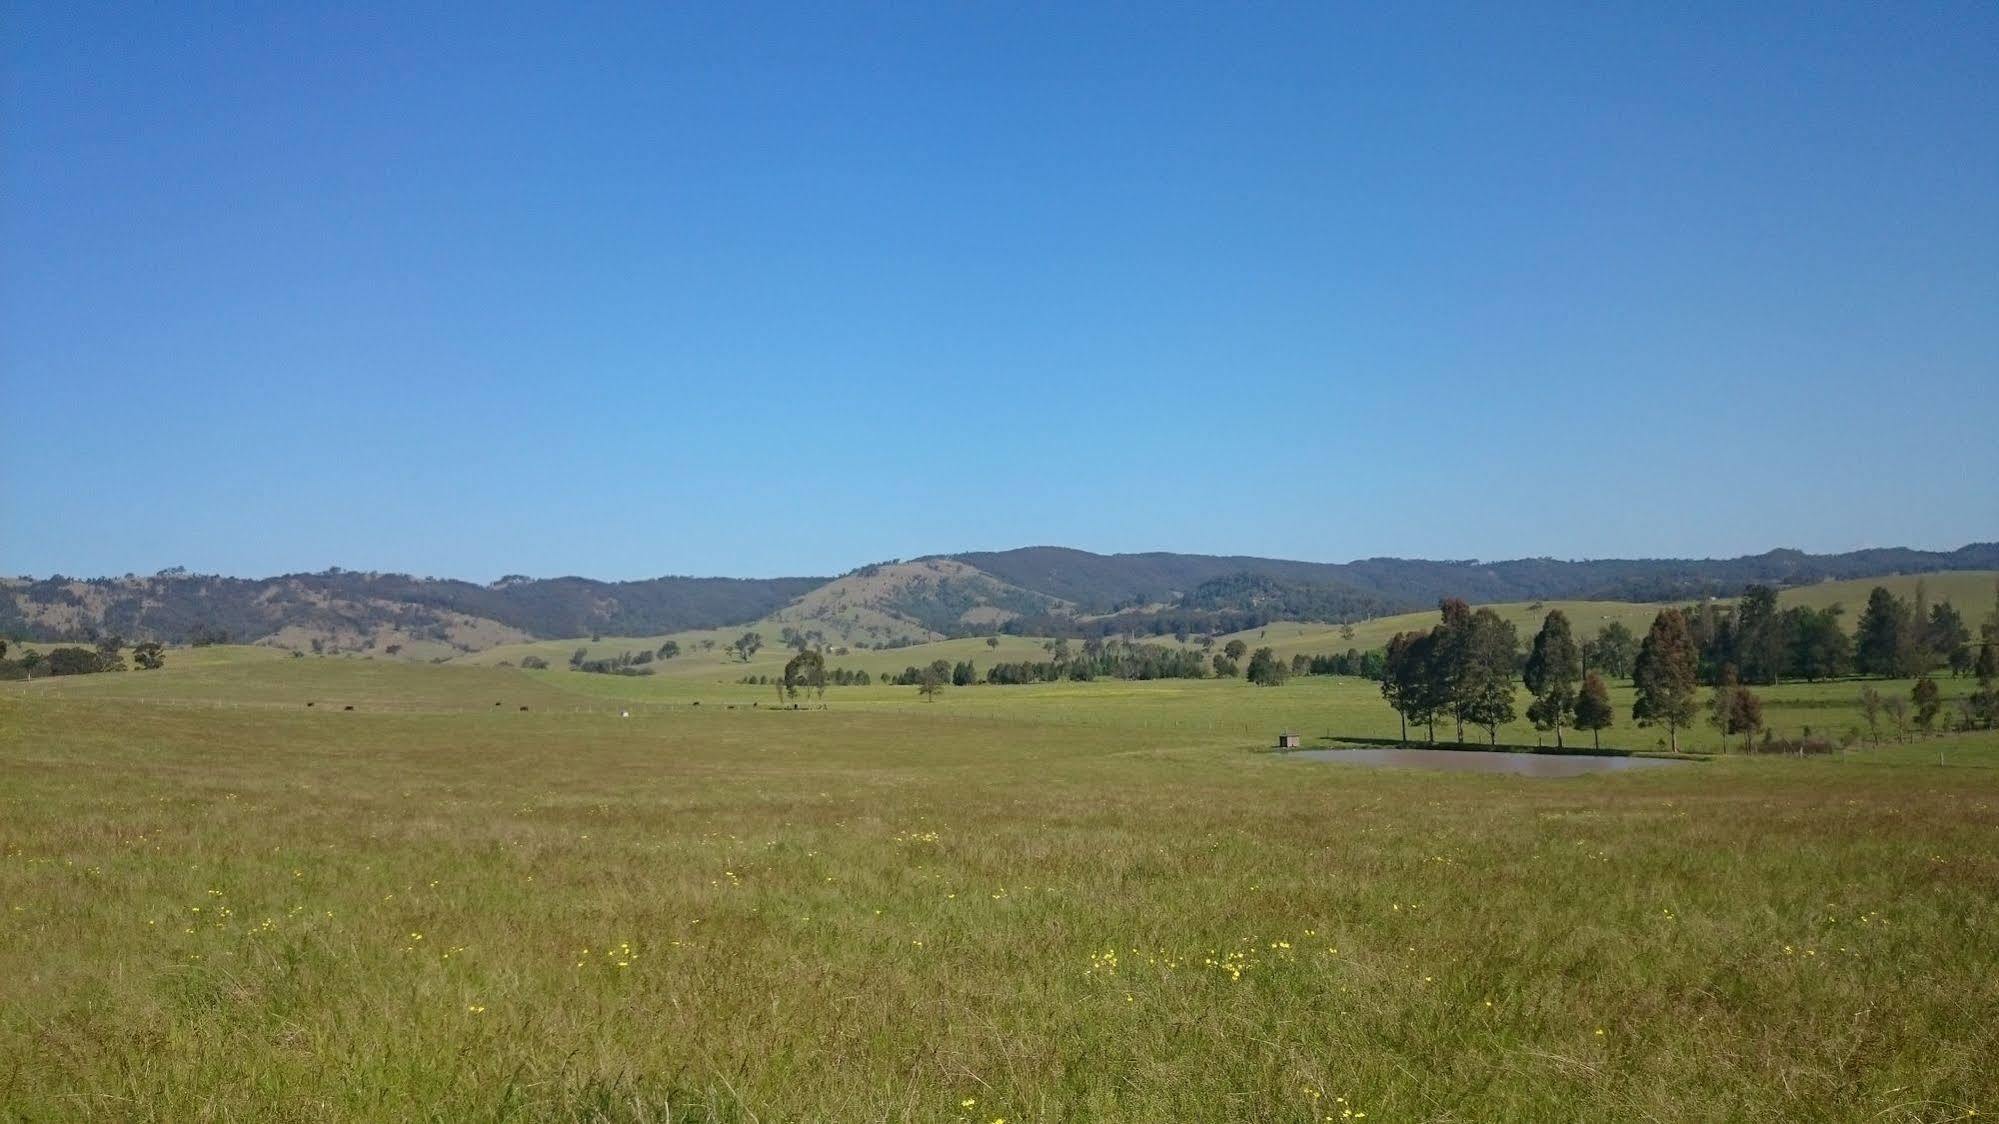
(1894, 638)
(107, 655)
(1463, 669)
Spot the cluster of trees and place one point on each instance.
(835, 677)
(1179, 623)
(931, 679)
(1897, 639)
(1893, 639)
(1925, 703)
(1102, 658)
(1462, 670)
(939, 672)
(1981, 708)
(108, 654)
(797, 640)
(1352, 662)
(1266, 670)
(624, 663)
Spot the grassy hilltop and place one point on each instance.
(1061, 902)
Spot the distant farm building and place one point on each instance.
(1289, 741)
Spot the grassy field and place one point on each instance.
(1067, 902)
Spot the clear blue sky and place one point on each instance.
(783, 288)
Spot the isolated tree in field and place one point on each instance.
(1748, 716)
(1593, 712)
(1883, 638)
(1664, 675)
(669, 649)
(150, 656)
(992, 641)
(1554, 667)
(533, 663)
(930, 683)
(1485, 686)
(1612, 651)
(805, 671)
(1870, 709)
(1346, 631)
(1734, 708)
(1265, 669)
(1898, 713)
(1234, 649)
(1928, 701)
(577, 657)
(746, 645)
(108, 653)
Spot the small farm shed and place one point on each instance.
(1289, 741)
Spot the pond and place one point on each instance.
(1478, 761)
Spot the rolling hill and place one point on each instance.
(1035, 591)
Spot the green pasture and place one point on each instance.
(1069, 902)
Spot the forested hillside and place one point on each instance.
(1036, 591)
(180, 608)
(1105, 583)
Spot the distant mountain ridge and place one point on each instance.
(350, 608)
(1105, 583)
(1033, 590)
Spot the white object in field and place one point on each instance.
(624, 714)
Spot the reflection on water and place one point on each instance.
(1473, 761)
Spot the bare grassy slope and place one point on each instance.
(908, 601)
